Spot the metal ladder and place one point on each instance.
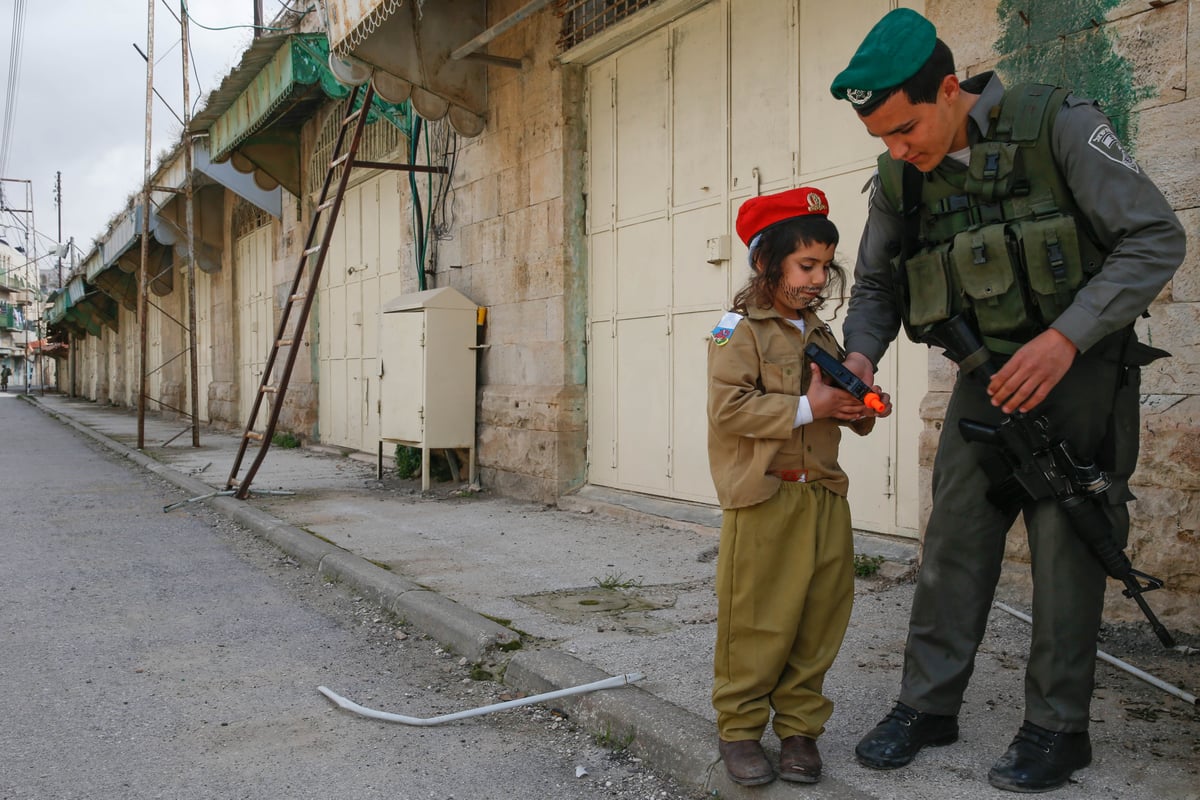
(312, 257)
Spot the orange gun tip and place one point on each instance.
(872, 401)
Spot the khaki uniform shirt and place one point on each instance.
(755, 380)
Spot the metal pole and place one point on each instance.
(144, 271)
(58, 202)
(29, 370)
(188, 142)
(1156, 682)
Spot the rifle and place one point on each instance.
(844, 378)
(1044, 466)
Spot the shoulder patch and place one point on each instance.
(724, 329)
(1105, 142)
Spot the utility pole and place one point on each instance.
(58, 202)
(144, 273)
(258, 18)
(188, 143)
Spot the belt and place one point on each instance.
(790, 475)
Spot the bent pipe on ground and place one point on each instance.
(607, 683)
(1187, 697)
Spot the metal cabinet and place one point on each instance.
(427, 373)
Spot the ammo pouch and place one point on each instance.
(1017, 277)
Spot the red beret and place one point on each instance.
(759, 213)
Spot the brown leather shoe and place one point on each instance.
(799, 760)
(746, 762)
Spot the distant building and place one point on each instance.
(17, 290)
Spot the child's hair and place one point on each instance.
(776, 243)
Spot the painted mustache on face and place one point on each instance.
(799, 298)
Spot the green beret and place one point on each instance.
(891, 53)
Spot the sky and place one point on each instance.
(80, 105)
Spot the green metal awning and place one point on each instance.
(114, 265)
(81, 310)
(255, 117)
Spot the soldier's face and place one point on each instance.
(921, 133)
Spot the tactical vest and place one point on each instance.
(1003, 239)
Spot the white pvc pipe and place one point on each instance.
(607, 683)
(1187, 697)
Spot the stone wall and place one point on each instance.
(1152, 50)
(517, 250)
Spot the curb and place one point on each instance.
(664, 734)
(678, 743)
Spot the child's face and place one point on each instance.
(805, 273)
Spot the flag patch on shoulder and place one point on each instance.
(724, 329)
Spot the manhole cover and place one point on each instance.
(575, 604)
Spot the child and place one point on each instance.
(785, 578)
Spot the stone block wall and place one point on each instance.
(516, 250)
(1141, 69)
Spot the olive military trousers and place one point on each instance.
(785, 586)
(1095, 408)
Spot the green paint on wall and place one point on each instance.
(1066, 42)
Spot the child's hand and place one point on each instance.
(829, 401)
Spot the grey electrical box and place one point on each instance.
(427, 373)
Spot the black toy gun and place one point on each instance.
(1044, 466)
(844, 378)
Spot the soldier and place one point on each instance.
(1021, 209)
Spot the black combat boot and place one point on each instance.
(1039, 760)
(895, 741)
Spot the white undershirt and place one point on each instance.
(804, 413)
(962, 156)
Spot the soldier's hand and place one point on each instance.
(887, 404)
(1032, 372)
(861, 366)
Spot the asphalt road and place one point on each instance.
(152, 655)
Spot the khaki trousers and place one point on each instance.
(785, 586)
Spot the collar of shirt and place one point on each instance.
(991, 91)
(808, 317)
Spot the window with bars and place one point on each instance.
(583, 19)
(247, 218)
(381, 139)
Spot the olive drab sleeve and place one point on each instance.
(1128, 215)
(873, 315)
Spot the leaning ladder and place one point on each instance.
(313, 257)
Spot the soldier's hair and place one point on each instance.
(925, 83)
(776, 243)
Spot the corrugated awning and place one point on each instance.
(81, 310)
(413, 51)
(255, 117)
(113, 265)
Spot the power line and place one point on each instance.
(160, 97)
(193, 20)
(16, 46)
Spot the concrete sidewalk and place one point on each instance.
(607, 584)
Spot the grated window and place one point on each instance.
(583, 19)
(381, 139)
(247, 218)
